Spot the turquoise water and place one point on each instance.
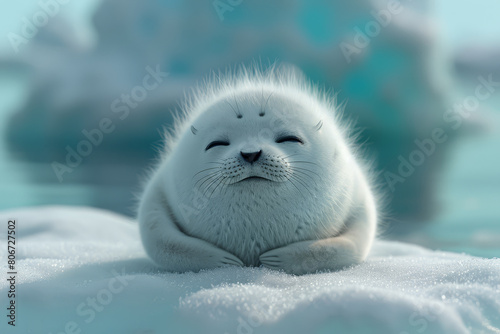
(27, 183)
(469, 191)
(17, 188)
(469, 220)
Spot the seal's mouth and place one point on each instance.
(254, 178)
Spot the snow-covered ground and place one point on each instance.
(83, 270)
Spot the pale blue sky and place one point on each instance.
(461, 21)
(469, 21)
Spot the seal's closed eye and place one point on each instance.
(293, 139)
(217, 143)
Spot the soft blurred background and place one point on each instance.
(63, 76)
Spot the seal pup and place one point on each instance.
(258, 170)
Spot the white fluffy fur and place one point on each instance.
(311, 208)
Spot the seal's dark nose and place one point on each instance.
(251, 157)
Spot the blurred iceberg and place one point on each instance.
(396, 87)
(476, 59)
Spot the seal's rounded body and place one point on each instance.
(258, 171)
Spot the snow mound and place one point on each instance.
(83, 270)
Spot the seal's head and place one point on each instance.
(261, 160)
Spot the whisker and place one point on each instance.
(204, 170)
(304, 173)
(304, 162)
(268, 99)
(235, 112)
(305, 169)
(226, 186)
(237, 106)
(263, 111)
(223, 188)
(211, 183)
(290, 179)
(285, 178)
(221, 180)
(288, 156)
(207, 178)
(296, 178)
